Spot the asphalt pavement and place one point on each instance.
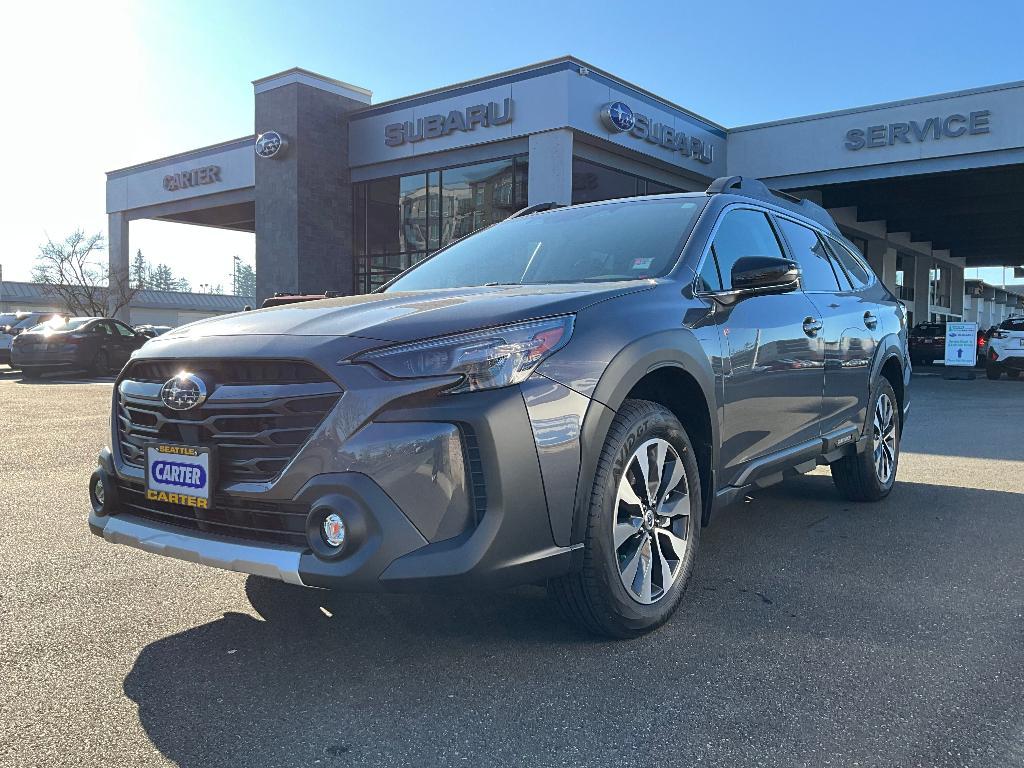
(816, 632)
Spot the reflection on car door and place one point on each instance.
(845, 313)
(774, 377)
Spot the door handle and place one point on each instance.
(870, 320)
(811, 326)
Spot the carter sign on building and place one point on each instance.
(208, 174)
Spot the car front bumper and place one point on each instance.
(437, 491)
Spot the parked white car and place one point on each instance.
(1006, 349)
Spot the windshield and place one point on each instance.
(1012, 324)
(60, 324)
(627, 240)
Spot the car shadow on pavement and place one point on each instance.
(811, 632)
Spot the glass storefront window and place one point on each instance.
(592, 182)
(476, 196)
(400, 220)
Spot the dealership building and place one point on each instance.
(342, 193)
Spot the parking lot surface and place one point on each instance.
(815, 632)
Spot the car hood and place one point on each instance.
(407, 316)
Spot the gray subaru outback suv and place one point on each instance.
(563, 398)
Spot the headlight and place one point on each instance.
(494, 357)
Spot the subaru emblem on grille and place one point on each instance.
(184, 391)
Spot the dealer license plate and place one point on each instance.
(180, 474)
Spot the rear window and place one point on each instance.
(1013, 324)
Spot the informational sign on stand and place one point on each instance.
(961, 344)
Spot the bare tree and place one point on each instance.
(72, 271)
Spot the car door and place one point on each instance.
(126, 342)
(846, 315)
(774, 374)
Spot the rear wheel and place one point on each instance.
(993, 371)
(1012, 373)
(31, 373)
(869, 475)
(642, 529)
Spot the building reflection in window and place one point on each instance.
(401, 220)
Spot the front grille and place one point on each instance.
(272, 523)
(229, 372)
(257, 425)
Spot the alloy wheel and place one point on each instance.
(652, 518)
(884, 432)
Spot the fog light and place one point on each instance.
(333, 530)
(101, 493)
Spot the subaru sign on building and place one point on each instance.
(343, 193)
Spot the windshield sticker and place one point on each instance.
(642, 263)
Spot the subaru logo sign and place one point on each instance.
(618, 117)
(184, 391)
(270, 144)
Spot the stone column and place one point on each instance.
(550, 179)
(117, 249)
(304, 193)
(922, 265)
(882, 258)
(956, 290)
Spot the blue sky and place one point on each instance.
(99, 86)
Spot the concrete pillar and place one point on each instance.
(922, 266)
(882, 258)
(304, 193)
(550, 178)
(956, 290)
(117, 275)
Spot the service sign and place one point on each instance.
(961, 344)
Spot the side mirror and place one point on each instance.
(765, 274)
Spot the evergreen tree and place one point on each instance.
(139, 271)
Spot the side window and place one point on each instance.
(123, 329)
(812, 256)
(708, 279)
(742, 233)
(103, 328)
(858, 271)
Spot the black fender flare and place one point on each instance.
(888, 348)
(675, 348)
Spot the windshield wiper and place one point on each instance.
(492, 285)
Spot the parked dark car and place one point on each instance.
(927, 343)
(22, 322)
(565, 398)
(95, 344)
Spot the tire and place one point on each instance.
(860, 477)
(100, 363)
(993, 371)
(31, 373)
(1012, 373)
(597, 597)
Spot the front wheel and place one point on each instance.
(869, 475)
(993, 371)
(1012, 373)
(643, 527)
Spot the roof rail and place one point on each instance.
(535, 208)
(757, 189)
